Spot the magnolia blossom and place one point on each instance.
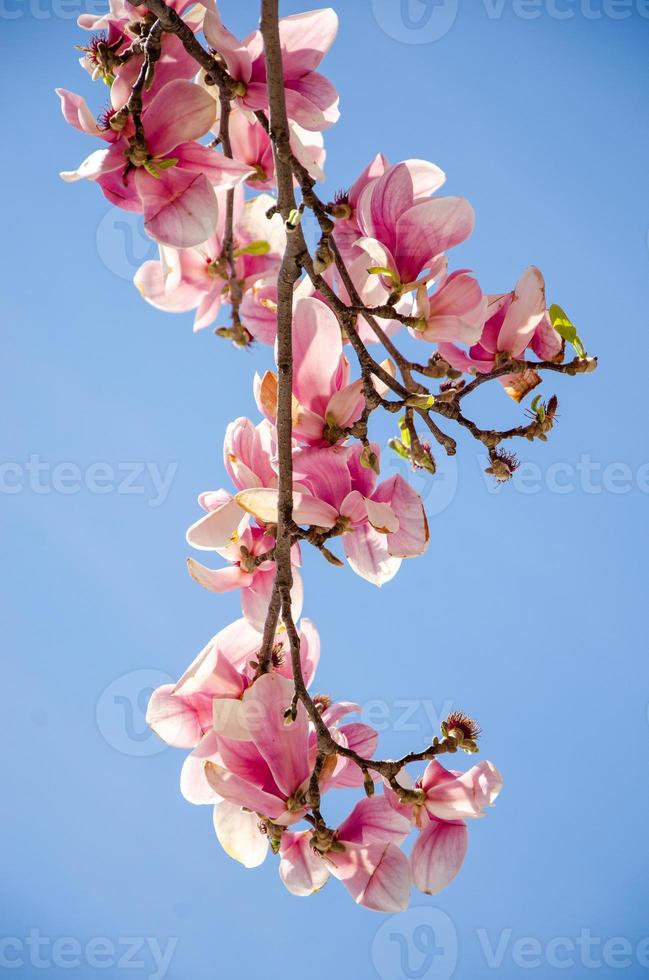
(404, 235)
(115, 32)
(251, 144)
(513, 320)
(381, 524)
(210, 694)
(363, 853)
(171, 181)
(326, 401)
(199, 278)
(447, 800)
(311, 100)
(258, 752)
(455, 312)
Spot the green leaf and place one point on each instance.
(421, 401)
(405, 433)
(254, 248)
(294, 218)
(566, 329)
(398, 447)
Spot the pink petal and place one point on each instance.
(381, 516)
(362, 739)
(239, 791)
(524, 314)
(193, 782)
(374, 821)
(411, 538)
(220, 579)
(302, 871)
(367, 553)
(177, 720)
(179, 113)
(428, 229)
(218, 529)
(76, 113)
(437, 855)
(153, 282)
(247, 452)
(305, 39)
(346, 406)
(376, 876)
(234, 51)
(546, 342)
(309, 650)
(180, 208)
(262, 504)
(239, 834)
(324, 473)
(224, 173)
(317, 349)
(312, 102)
(284, 747)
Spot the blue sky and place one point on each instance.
(528, 611)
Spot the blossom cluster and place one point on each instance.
(196, 160)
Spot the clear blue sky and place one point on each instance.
(530, 609)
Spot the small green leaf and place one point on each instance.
(566, 329)
(398, 447)
(294, 218)
(421, 401)
(254, 248)
(405, 433)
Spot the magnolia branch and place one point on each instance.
(407, 394)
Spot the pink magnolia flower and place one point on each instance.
(270, 773)
(114, 32)
(381, 524)
(311, 100)
(258, 310)
(173, 184)
(364, 854)
(512, 323)
(350, 226)
(449, 798)
(325, 400)
(209, 695)
(199, 278)
(251, 144)
(405, 235)
(227, 530)
(254, 580)
(455, 312)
